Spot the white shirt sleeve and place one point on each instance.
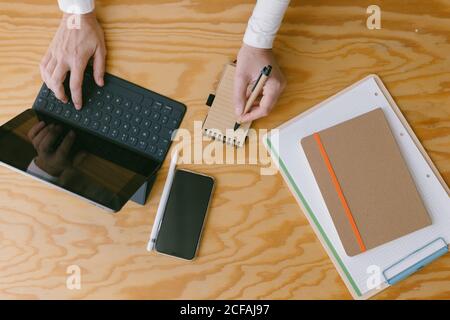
(76, 6)
(265, 22)
(34, 170)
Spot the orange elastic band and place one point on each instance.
(337, 186)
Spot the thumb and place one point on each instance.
(99, 67)
(240, 93)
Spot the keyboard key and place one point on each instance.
(126, 126)
(114, 133)
(104, 129)
(67, 113)
(151, 149)
(127, 104)
(95, 125)
(118, 100)
(58, 109)
(156, 127)
(173, 123)
(164, 119)
(124, 137)
(106, 118)
(134, 130)
(44, 91)
(154, 138)
(137, 119)
(116, 123)
(109, 108)
(147, 123)
(97, 114)
(128, 116)
(118, 112)
(50, 106)
(132, 140)
(108, 96)
(99, 104)
(155, 116)
(99, 92)
(160, 153)
(77, 116)
(142, 144)
(145, 135)
(86, 121)
(87, 111)
(166, 132)
(167, 110)
(137, 108)
(41, 102)
(147, 112)
(157, 106)
(163, 143)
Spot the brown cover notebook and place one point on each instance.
(365, 182)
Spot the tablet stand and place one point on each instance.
(140, 197)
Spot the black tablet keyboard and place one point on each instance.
(120, 111)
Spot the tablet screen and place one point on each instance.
(73, 159)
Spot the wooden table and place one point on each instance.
(257, 243)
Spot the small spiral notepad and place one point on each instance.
(219, 122)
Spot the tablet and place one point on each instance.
(79, 162)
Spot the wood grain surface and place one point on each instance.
(256, 243)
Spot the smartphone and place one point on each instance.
(184, 215)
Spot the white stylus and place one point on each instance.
(163, 201)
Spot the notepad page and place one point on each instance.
(219, 123)
(363, 98)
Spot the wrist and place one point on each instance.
(256, 50)
(44, 168)
(85, 16)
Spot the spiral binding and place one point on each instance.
(221, 137)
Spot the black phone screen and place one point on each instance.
(185, 212)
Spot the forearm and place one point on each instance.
(265, 22)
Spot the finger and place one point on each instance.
(99, 67)
(64, 148)
(76, 81)
(271, 93)
(51, 65)
(241, 83)
(43, 64)
(58, 77)
(255, 113)
(40, 136)
(49, 140)
(35, 130)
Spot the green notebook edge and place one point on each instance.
(313, 217)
